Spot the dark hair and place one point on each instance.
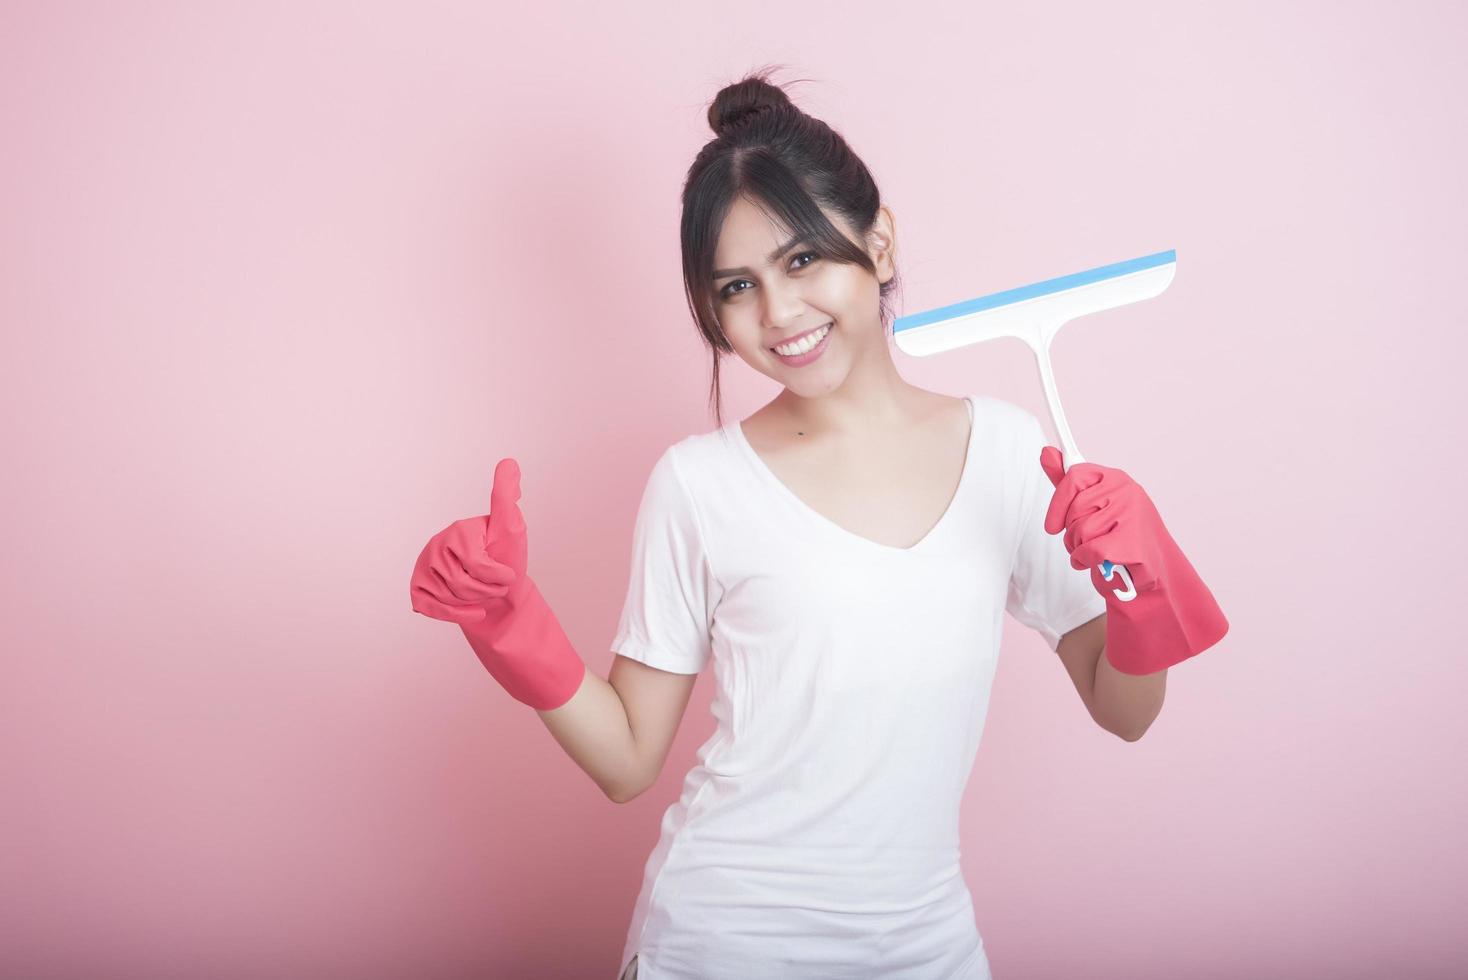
(787, 162)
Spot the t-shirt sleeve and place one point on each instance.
(1045, 592)
(671, 591)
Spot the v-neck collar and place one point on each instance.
(769, 475)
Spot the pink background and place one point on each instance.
(281, 283)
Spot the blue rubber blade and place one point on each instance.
(1044, 288)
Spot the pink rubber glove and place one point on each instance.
(473, 573)
(1107, 515)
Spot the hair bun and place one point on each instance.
(745, 99)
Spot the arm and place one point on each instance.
(1123, 704)
(619, 730)
(474, 573)
(593, 729)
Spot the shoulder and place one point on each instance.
(702, 453)
(1009, 423)
(688, 472)
(1000, 410)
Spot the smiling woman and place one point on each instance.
(842, 559)
(773, 165)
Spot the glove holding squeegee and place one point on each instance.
(1161, 613)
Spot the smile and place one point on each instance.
(805, 348)
(803, 343)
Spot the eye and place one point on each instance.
(728, 289)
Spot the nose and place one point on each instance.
(784, 311)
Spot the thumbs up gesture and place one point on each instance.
(473, 573)
(459, 572)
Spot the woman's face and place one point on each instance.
(764, 300)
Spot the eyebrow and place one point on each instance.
(722, 273)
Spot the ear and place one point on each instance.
(882, 243)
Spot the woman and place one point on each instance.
(843, 557)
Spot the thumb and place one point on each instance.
(505, 534)
(1052, 461)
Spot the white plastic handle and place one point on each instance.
(1041, 347)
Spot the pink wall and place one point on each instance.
(280, 286)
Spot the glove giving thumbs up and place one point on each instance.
(518, 638)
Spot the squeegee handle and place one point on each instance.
(1039, 343)
(1108, 569)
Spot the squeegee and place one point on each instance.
(1035, 314)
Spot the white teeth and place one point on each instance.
(804, 344)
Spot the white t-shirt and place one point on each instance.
(817, 834)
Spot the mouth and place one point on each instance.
(813, 334)
(807, 347)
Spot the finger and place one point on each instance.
(448, 588)
(1080, 533)
(1104, 547)
(1084, 503)
(425, 603)
(444, 587)
(1060, 500)
(1091, 515)
(464, 587)
(477, 566)
(1079, 477)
